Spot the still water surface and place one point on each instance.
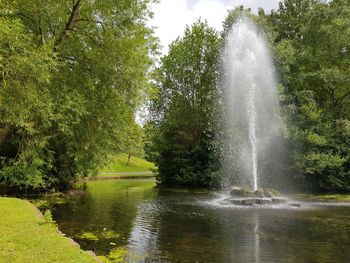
(179, 226)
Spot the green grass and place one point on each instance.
(327, 197)
(26, 237)
(119, 164)
(333, 197)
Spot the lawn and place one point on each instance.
(119, 164)
(27, 237)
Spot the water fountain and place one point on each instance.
(252, 118)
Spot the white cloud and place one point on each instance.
(211, 10)
(171, 16)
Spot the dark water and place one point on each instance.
(152, 226)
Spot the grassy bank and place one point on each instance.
(120, 167)
(27, 237)
(326, 197)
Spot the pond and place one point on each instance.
(130, 219)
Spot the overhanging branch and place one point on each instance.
(69, 25)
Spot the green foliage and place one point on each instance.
(313, 62)
(234, 15)
(72, 75)
(314, 66)
(132, 143)
(260, 20)
(88, 236)
(151, 133)
(184, 111)
(25, 108)
(117, 255)
(48, 218)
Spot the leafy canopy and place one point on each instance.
(73, 74)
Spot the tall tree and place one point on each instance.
(25, 105)
(312, 48)
(101, 52)
(185, 110)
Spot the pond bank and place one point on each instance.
(120, 175)
(325, 197)
(86, 179)
(27, 236)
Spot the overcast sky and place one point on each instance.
(171, 16)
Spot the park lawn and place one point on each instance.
(119, 164)
(26, 237)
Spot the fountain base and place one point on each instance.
(260, 197)
(254, 201)
(260, 193)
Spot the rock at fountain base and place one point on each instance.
(260, 197)
(260, 193)
(254, 201)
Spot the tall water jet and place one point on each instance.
(252, 119)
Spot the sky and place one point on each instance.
(171, 16)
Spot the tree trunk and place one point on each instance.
(129, 156)
(4, 132)
(69, 25)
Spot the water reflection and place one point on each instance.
(257, 239)
(178, 227)
(144, 234)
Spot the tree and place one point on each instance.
(151, 133)
(185, 110)
(261, 20)
(310, 40)
(25, 106)
(101, 54)
(314, 63)
(132, 141)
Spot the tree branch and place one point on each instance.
(69, 25)
(343, 96)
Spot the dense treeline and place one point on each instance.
(313, 47)
(311, 44)
(72, 74)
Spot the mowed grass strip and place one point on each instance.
(26, 237)
(120, 164)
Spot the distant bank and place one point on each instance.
(119, 168)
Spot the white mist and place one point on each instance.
(251, 104)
